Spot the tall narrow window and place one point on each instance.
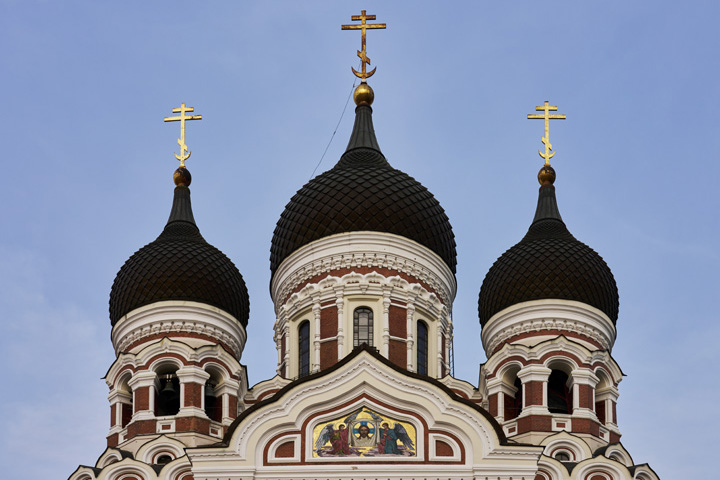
(513, 406)
(304, 348)
(362, 326)
(168, 398)
(559, 395)
(422, 348)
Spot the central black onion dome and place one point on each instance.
(180, 265)
(362, 192)
(549, 262)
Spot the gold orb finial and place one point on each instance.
(363, 95)
(182, 177)
(546, 175)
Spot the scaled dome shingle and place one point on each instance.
(549, 262)
(179, 265)
(362, 192)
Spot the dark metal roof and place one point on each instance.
(548, 263)
(362, 192)
(179, 265)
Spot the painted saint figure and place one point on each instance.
(388, 440)
(339, 441)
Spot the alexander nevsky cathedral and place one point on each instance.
(363, 281)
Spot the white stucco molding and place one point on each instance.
(550, 314)
(368, 381)
(551, 352)
(175, 316)
(363, 249)
(567, 441)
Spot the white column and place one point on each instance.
(583, 377)
(497, 386)
(386, 324)
(410, 336)
(316, 342)
(607, 396)
(438, 335)
(145, 378)
(225, 389)
(535, 373)
(286, 359)
(192, 374)
(341, 320)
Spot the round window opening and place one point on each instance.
(164, 459)
(562, 457)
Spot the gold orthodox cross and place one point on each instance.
(184, 152)
(364, 74)
(546, 109)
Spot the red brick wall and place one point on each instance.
(442, 449)
(614, 412)
(398, 323)
(127, 412)
(493, 404)
(232, 406)
(142, 399)
(510, 410)
(192, 424)
(535, 423)
(600, 411)
(585, 396)
(398, 353)
(328, 322)
(193, 394)
(286, 450)
(113, 409)
(585, 425)
(328, 354)
(533, 393)
(141, 427)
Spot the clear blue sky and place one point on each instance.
(87, 164)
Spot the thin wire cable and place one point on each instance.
(334, 131)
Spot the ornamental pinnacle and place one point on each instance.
(363, 75)
(546, 139)
(184, 152)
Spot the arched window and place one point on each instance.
(514, 406)
(559, 395)
(126, 407)
(362, 326)
(422, 348)
(304, 349)
(168, 397)
(213, 402)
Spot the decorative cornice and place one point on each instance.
(363, 249)
(539, 316)
(331, 287)
(172, 317)
(545, 352)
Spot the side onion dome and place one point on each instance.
(180, 265)
(362, 192)
(549, 262)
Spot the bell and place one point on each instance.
(169, 387)
(209, 390)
